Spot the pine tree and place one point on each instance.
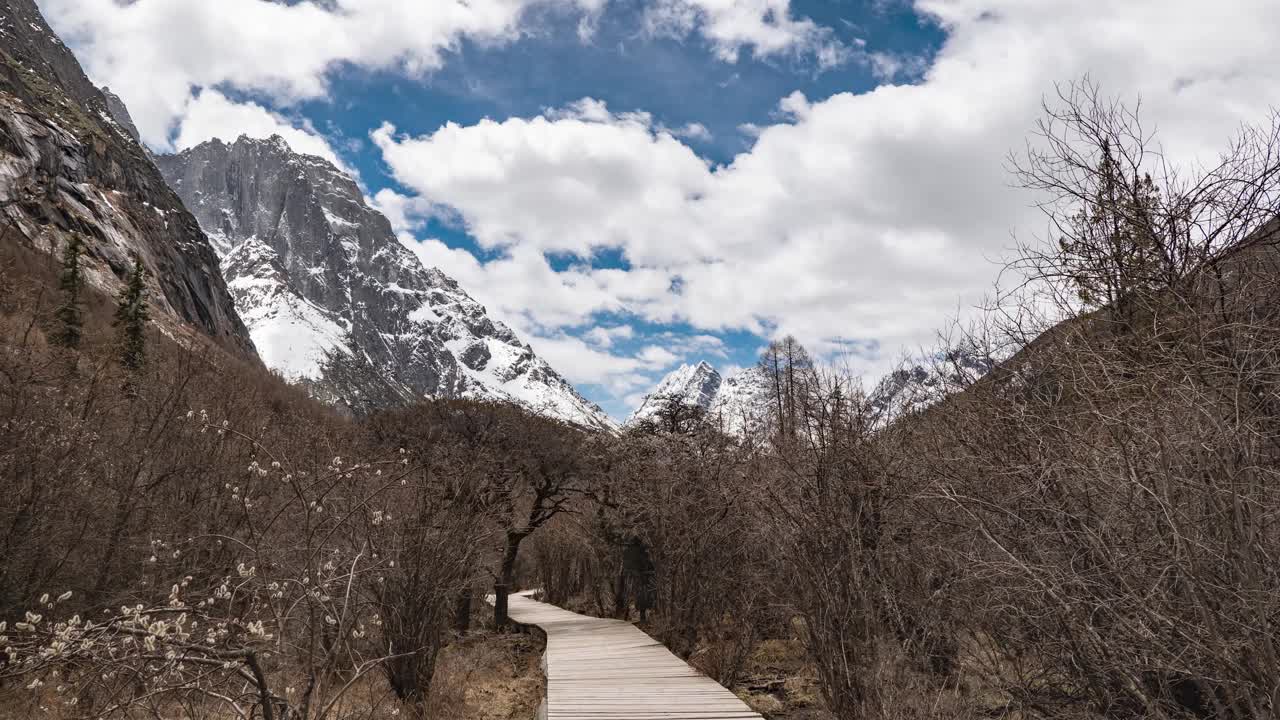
(1116, 245)
(131, 319)
(69, 314)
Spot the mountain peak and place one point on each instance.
(335, 302)
(738, 402)
(694, 385)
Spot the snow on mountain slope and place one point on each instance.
(294, 336)
(334, 301)
(744, 401)
(695, 385)
(737, 403)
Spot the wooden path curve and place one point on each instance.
(610, 670)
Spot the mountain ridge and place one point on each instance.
(334, 301)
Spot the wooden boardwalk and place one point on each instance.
(610, 670)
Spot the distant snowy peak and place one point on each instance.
(694, 385)
(335, 302)
(744, 401)
(920, 385)
(737, 403)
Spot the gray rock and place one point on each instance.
(66, 167)
(116, 108)
(334, 301)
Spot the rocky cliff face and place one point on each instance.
(737, 403)
(67, 167)
(120, 113)
(334, 301)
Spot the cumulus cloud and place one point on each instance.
(859, 220)
(583, 363)
(605, 335)
(571, 181)
(693, 131)
(158, 54)
(211, 114)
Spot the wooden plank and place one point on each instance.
(610, 670)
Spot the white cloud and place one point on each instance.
(543, 182)
(159, 55)
(693, 131)
(604, 336)
(523, 288)
(766, 27)
(210, 114)
(156, 54)
(405, 213)
(889, 67)
(869, 216)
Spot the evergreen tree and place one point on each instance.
(1118, 243)
(69, 314)
(131, 318)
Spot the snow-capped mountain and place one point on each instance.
(334, 301)
(694, 385)
(737, 403)
(947, 372)
(744, 401)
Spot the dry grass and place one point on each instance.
(488, 676)
(778, 682)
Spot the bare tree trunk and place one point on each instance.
(506, 576)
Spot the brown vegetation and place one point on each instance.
(1089, 531)
(184, 530)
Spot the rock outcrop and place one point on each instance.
(68, 167)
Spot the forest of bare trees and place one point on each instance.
(1089, 530)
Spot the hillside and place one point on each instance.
(67, 168)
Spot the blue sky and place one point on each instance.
(678, 81)
(633, 184)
